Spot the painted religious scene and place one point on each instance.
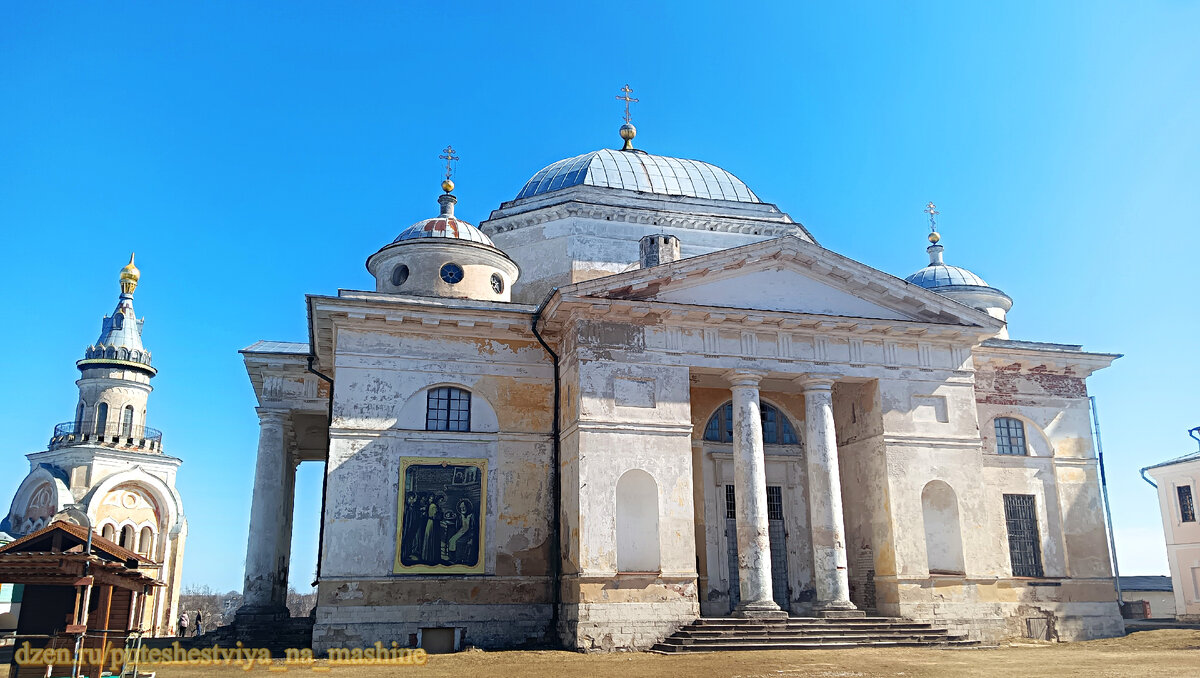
(439, 516)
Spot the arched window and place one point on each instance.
(118, 320)
(637, 522)
(127, 537)
(108, 532)
(943, 536)
(79, 418)
(448, 409)
(1010, 436)
(101, 418)
(146, 541)
(127, 421)
(777, 430)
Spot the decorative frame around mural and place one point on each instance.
(441, 543)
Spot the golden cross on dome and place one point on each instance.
(932, 211)
(449, 157)
(627, 90)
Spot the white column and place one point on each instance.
(750, 483)
(825, 496)
(270, 519)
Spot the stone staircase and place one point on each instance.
(733, 633)
(278, 636)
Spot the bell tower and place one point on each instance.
(114, 382)
(106, 468)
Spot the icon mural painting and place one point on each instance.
(440, 512)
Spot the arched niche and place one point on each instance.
(637, 523)
(943, 534)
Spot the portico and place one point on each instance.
(293, 427)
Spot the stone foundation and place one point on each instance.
(504, 626)
(604, 627)
(992, 611)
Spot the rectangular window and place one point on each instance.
(774, 502)
(1024, 545)
(1010, 436)
(448, 409)
(730, 503)
(1187, 507)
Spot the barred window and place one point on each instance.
(730, 503)
(448, 409)
(1024, 543)
(774, 502)
(777, 430)
(1010, 436)
(1187, 507)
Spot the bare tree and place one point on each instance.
(300, 604)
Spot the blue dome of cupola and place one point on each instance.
(937, 275)
(957, 282)
(635, 170)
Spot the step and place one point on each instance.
(807, 627)
(737, 646)
(785, 637)
(803, 636)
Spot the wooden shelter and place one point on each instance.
(81, 600)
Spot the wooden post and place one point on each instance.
(103, 613)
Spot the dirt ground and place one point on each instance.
(1174, 653)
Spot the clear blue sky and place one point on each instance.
(254, 152)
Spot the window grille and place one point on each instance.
(730, 503)
(127, 421)
(777, 430)
(774, 502)
(1010, 436)
(448, 409)
(1024, 545)
(1187, 507)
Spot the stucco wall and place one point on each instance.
(382, 379)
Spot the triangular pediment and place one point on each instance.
(786, 275)
(779, 289)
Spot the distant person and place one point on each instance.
(199, 624)
(183, 623)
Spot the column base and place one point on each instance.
(250, 615)
(760, 610)
(838, 610)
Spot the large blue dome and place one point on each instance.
(636, 170)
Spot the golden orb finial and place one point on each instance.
(934, 237)
(628, 132)
(447, 185)
(129, 277)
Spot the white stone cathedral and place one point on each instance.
(109, 464)
(638, 394)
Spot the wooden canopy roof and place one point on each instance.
(55, 555)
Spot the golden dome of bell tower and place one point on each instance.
(129, 277)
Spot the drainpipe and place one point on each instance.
(325, 479)
(1112, 541)
(555, 446)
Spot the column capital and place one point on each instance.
(270, 415)
(737, 377)
(817, 381)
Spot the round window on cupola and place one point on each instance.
(399, 275)
(452, 273)
(497, 283)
